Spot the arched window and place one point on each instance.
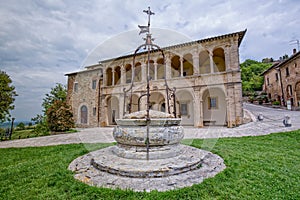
(219, 60)
(188, 65)
(204, 63)
(137, 72)
(83, 115)
(151, 70)
(160, 69)
(163, 107)
(128, 73)
(109, 77)
(117, 75)
(175, 66)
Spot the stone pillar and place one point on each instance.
(198, 113)
(181, 66)
(168, 68)
(113, 76)
(227, 58)
(105, 76)
(155, 70)
(230, 106)
(103, 111)
(196, 63)
(121, 105)
(123, 74)
(238, 103)
(201, 112)
(211, 61)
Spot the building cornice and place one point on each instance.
(240, 35)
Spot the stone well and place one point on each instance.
(127, 165)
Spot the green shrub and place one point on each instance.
(41, 129)
(59, 117)
(21, 126)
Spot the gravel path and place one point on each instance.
(272, 123)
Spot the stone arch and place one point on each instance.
(83, 114)
(185, 107)
(219, 60)
(204, 62)
(138, 72)
(109, 76)
(113, 111)
(128, 72)
(188, 69)
(214, 107)
(117, 75)
(157, 99)
(160, 68)
(175, 66)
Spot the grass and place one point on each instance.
(264, 167)
(31, 132)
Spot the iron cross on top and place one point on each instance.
(149, 12)
(145, 29)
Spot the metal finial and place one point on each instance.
(146, 29)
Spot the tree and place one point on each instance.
(38, 119)
(252, 79)
(7, 94)
(59, 92)
(21, 126)
(59, 116)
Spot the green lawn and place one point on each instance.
(31, 132)
(264, 167)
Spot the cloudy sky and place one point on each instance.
(41, 40)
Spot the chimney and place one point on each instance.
(294, 51)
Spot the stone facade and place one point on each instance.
(282, 81)
(205, 73)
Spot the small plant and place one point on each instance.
(21, 126)
(275, 103)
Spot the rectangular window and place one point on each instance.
(287, 72)
(268, 81)
(184, 109)
(94, 84)
(212, 103)
(75, 87)
(276, 76)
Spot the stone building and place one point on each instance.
(205, 73)
(282, 81)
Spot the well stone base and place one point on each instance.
(103, 168)
(189, 159)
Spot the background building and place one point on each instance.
(282, 81)
(206, 74)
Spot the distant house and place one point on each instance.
(282, 81)
(206, 74)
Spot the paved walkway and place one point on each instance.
(272, 123)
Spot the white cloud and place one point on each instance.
(40, 41)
